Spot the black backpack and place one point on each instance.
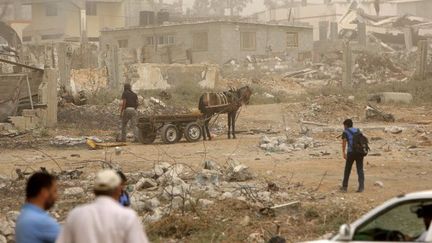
(360, 143)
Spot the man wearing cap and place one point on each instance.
(425, 212)
(103, 220)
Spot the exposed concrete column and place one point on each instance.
(115, 66)
(361, 33)
(334, 32)
(83, 25)
(323, 27)
(408, 34)
(48, 90)
(347, 59)
(64, 64)
(422, 59)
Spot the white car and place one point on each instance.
(406, 218)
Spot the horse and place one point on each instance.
(228, 102)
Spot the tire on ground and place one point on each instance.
(146, 137)
(170, 134)
(193, 132)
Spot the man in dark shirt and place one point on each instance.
(351, 156)
(128, 111)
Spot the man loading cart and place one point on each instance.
(128, 112)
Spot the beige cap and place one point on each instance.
(107, 180)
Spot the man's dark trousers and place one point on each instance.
(351, 157)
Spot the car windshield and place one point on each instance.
(405, 222)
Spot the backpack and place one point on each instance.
(360, 143)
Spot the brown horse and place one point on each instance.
(228, 102)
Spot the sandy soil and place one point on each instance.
(399, 168)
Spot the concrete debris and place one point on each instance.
(205, 202)
(206, 177)
(269, 96)
(72, 141)
(379, 184)
(145, 183)
(152, 204)
(160, 168)
(154, 216)
(256, 238)
(157, 102)
(282, 144)
(375, 114)
(73, 191)
(6, 227)
(210, 165)
(245, 221)
(394, 130)
(238, 172)
(90, 115)
(391, 97)
(173, 172)
(8, 130)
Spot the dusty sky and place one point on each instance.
(254, 7)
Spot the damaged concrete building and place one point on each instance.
(210, 41)
(320, 14)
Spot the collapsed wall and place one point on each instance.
(149, 76)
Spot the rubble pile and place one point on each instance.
(107, 116)
(327, 108)
(370, 67)
(154, 194)
(168, 190)
(282, 144)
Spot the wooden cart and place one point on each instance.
(171, 128)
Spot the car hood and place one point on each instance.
(319, 241)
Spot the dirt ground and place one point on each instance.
(394, 161)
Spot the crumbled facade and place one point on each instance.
(210, 42)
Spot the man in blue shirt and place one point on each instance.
(124, 197)
(351, 156)
(34, 225)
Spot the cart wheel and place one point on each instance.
(170, 134)
(145, 137)
(193, 132)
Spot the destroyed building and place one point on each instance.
(320, 14)
(210, 41)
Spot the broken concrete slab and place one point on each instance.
(391, 97)
(73, 191)
(374, 113)
(145, 183)
(239, 173)
(394, 129)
